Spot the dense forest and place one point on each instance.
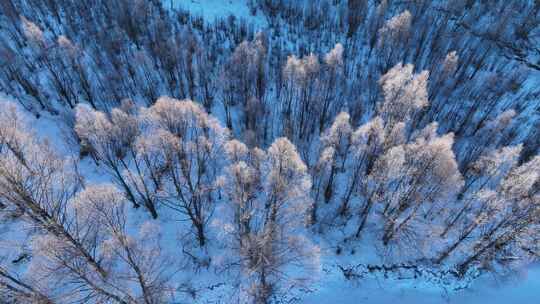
(239, 159)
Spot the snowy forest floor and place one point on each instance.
(331, 285)
(523, 288)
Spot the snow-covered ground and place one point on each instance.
(332, 286)
(211, 9)
(523, 288)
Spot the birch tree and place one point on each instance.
(268, 192)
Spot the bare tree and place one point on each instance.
(189, 142)
(422, 174)
(403, 94)
(269, 195)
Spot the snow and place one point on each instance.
(520, 289)
(213, 9)
(332, 286)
